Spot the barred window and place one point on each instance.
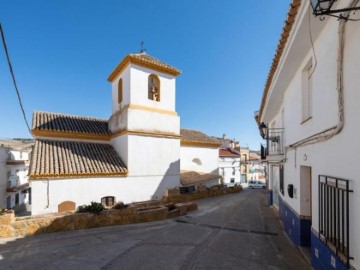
(108, 201)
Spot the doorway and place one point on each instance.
(305, 205)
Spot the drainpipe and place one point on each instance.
(333, 131)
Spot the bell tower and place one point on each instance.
(144, 124)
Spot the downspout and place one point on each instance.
(47, 193)
(333, 131)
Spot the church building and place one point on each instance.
(132, 156)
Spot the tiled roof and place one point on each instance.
(56, 122)
(145, 60)
(194, 136)
(191, 178)
(74, 159)
(228, 153)
(293, 10)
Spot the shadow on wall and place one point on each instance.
(170, 180)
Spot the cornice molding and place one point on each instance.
(130, 59)
(200, 144)
(70, 135)
(150, 109)
(146, 134)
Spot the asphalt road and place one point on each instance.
(236, 231)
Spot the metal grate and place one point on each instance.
(334, 215)
(275, 141)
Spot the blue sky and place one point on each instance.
(62, 52)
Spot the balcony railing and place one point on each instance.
(275, 141)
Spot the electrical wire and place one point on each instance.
(13, 78)
(331, 132)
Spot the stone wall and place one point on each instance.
(173, 205)
(174, 196)
(14, 227)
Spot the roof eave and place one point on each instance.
(143, 63)
(293, 11)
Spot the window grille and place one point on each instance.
(334, 215)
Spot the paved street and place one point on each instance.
(228, 232)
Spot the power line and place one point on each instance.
(13, 77)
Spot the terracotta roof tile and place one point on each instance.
(190, 135)
(191, 178)
(74, 159)
(46, 121)
(228, 153)
(144, 60)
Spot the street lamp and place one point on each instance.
(263, 130)
(325, 7)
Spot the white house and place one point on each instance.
(14, 166)
(309, 116)
(133, 156)
(229, 166)
(199, 159)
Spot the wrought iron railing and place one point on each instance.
(334, 215)
(275, 141)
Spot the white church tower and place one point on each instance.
(144, 124)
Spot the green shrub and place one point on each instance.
(94, 208)
(119, 205)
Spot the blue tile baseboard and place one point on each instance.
(322, 258)
(270, 197)
(297, 227)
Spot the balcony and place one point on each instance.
(11, 163)
(10, 188)
(274, 150)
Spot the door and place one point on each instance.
(305, 205)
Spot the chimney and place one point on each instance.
(224, 136)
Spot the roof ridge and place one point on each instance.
(71, 115)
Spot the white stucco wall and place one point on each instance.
(230, 168)
(207, 156)
(85, 190)
(337, 156)
(125, 76)
(136, 78)
(153, 164)
(3, 175)
(153, 156)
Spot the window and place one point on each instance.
(197, 161)
(108, 201)
(281, 169)
(17, 199)
(306, 98)
(334, 218)
(232, 180)
(120, 91)
(154, 87)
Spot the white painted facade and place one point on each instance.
(14, 168)
(285, 109)
(229, 168)
(147, 140)
(199, 159)
(4, 153)
(125, 189)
